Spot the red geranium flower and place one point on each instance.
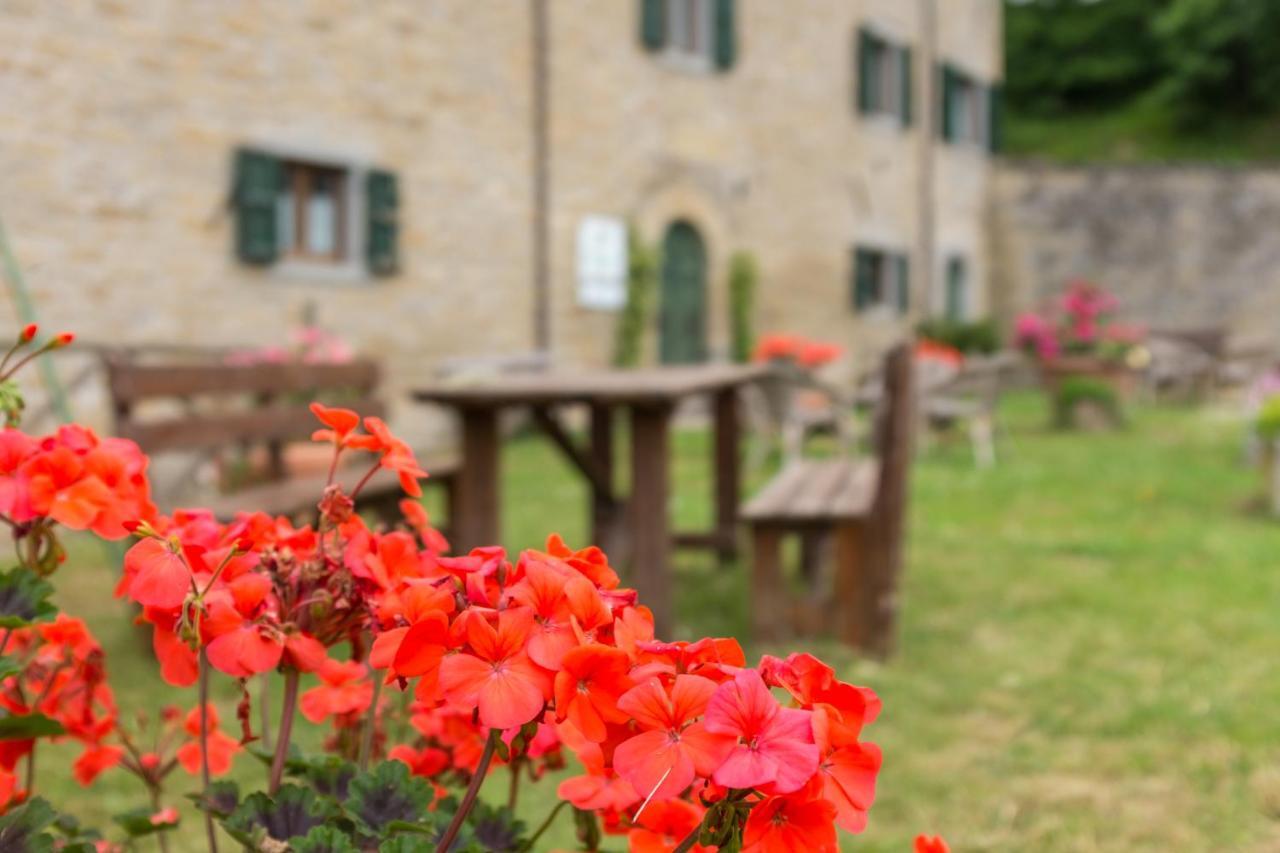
(497, 676)
(587, 688)
(931, 844)
(343, 690)
(775, 744)
(791, 823)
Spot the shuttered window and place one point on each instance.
(880, 280)
(696, 33)
(957, 283)
(970, 110)
(883, 77)
(289, 209)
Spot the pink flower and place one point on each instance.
(775, 744)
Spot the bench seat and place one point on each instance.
(816, 490)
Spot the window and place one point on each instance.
(688, 28)
(312, 210)
(883, 77)
(968, 109)
(880, 281)
(315, 216)
(697, 34)
(956, 307)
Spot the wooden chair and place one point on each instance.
(854, 509)
(970, 399)
(202, 406)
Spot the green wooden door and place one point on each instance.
(683, 325)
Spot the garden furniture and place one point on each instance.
(635, 525)
(853, 507)
(200, 406)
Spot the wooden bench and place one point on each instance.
(201, 406)
(852, 508)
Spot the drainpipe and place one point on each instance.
(541, 220)
(926, 200)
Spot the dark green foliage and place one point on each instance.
(980, 336)
(742, 301)
(1074, 391)
(324, 839)
(293, 811)
(27, 726)
(221, 801)
(22, 830)
(386, 794)
(642, 278)
(137, 823)
(24, 598)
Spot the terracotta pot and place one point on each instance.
(1116, 375)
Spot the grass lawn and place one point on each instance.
(1088, 641)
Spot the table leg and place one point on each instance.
(478, 493)
(606, 510)
(728, 473)
(649, 532)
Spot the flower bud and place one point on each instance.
(28, 334)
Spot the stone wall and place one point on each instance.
(1182, 246)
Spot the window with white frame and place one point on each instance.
(883, 83)
(881, 281)
(689, 29)
(966, 108)
(956, 297)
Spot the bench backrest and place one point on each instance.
(895, 428)
(222, 405)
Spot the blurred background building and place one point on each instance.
(455, 179)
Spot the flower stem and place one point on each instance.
(513, 792)
(546, 824)
(473, 791)
(371, 723)
(210, 830)
(161, 837)
(692, 839)
(264, 710)
(291, 678)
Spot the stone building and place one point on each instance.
(433, 174)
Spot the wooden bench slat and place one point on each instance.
(825, 478)
(777, 494)
(271, 423)
(131, 383)
(857, 492)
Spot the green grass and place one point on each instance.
(1088, 641)
(1140, 133)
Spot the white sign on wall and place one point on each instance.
(602, 263)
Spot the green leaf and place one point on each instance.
(27, 726)
(385, 794)
(24, 599)
(9, 666)
(137, 822)
(221, 800)
(330, 776)
(295, 811)
(22, 830)
(323, 839)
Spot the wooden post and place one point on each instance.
(769, 602)
(478, 490)
(649, 532)
(605, 508)
(849, 599)
(728, 473)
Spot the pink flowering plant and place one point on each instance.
(426, 671)
(1081, 322)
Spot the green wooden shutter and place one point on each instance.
(382, 238)
(254, 196)
(995, 103)
(955, 289)
(947, 91)
(866, 71)
(863, 285)
(726, 31)
(904, 63)
(653, 24)
(903, 279)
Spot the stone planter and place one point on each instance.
(1089, 411)
(1116, 375)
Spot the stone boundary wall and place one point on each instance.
(1181, 245)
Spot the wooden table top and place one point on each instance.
(653, 385)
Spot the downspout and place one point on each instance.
(926, 200)
(541, 46)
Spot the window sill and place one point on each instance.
(299, 271)
(687, 63)
(884, 121)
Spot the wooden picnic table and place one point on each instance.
(634, 529)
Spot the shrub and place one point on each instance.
(1267, 422)
(1076, 390)
(642, 277)
(742, 299)
(979, 337)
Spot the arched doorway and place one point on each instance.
(683, 311)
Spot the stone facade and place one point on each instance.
(1183, 247)
(119, 120)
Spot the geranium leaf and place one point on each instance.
(331, 776)
(24, 599)
(385, 794)
(28, 726)
(221, 799)
(138, 822)
(293, 812)
(495, 829)
(323, 839)
(22, 830)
